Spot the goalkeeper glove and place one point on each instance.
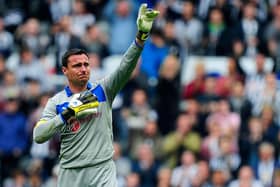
(145, 19)
(80, 105)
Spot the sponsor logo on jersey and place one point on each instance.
(75, 124)
(90, 117)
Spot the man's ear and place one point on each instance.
(63, 69)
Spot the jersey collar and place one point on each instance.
(69, 92)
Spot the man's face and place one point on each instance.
(77, 70)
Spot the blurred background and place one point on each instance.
(202, 108)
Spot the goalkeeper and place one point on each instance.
(81, 113)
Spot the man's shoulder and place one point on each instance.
(58, 96)
(95, 83)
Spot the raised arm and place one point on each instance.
(113, 83)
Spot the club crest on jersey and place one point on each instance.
(74, 125)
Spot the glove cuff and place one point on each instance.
(143, 36)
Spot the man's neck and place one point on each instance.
(77, 88)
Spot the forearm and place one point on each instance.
(45, 129)
(118, 79)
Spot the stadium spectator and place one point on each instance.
(210, 143)
(246, 178)
(209, 96)
(168, 94)
(146, 166)
(229, 9)
(34, 172)
(120, 15)
(52, 180)
(202, 175)
(9, 86)
(31, 35)
(255, 83)
(225, 82)
(151, 136)
(18, 178)
(180, 139)
(29, 67)
(123, 164)
(186, 171)
(250, 141)
(139, 113)
(161, 20)
(213, 32)
(132, 180)
(266, 163)
(197, 84)
(152, 57)
(63, 39)
(164, 177)
(96, 41)
(219, 177)
(228, 121)
(240, 104)
(189, 29)
(193, 108)
(270, 127)
(248, 29)
(276, 178)
(81, 18)
(171, 40)
(6, 40)
(59, 9)
(227, 157)
(97, 69)
(14, 129)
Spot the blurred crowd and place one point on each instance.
(213, 131)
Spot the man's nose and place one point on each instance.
(83, 68)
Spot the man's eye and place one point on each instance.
(81, 64)
(77, 65)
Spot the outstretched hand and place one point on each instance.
(146, 17)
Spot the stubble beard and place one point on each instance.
(80, 83)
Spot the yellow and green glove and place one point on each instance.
(146, 17)
(80, 105)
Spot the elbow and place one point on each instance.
(38, 133)
(37, 137)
